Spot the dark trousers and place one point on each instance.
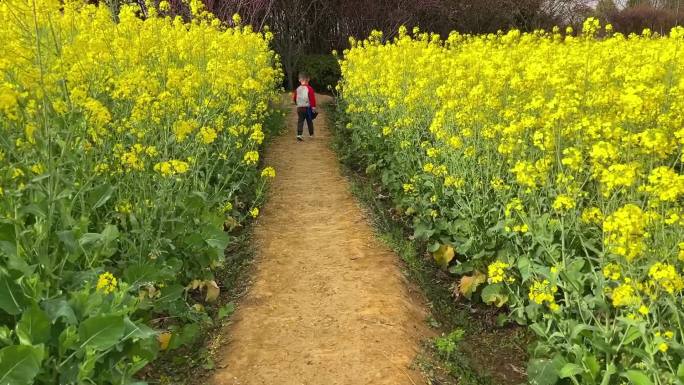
(304, 115)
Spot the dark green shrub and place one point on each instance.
(324, 71)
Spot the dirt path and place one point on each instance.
(328, 304)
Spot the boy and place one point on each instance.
(305, 98)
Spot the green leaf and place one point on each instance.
(171, 293)
(34, 327)
(185, 336)
(600, 345)
(680, 371)
(218, 241)
(138, 330)
(59, 308)
(632, 334)
(36, 210)
(8, 243)
(101, 332)
(89, 238)
(68, 339)
(610, 370)
(637, 377)
(18, 263)
(492, 294)
(19, 364)
(68, 239)
(592, 364)
(226, 311)
(570, 370)
(422, 231)
(196, 201)
(543, 371)
(98, 196)
(110, 233)
(573, 272)
(5, 335)
(577, 330)
(465, 247)
(12, 298)
(523, 263)
(462, 268)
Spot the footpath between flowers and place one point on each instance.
(328, 303)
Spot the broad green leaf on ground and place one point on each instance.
(492, 295)
(101, 332)
(544, 371)
(34, 327)
(19, 364)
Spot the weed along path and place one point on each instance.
(328, 304)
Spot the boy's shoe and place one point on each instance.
(299, 138)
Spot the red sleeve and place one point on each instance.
(312, 97)
(294, 95)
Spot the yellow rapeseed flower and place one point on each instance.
(106, 283)
(268, 172)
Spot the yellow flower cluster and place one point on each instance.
(592, 215)
(563, 203)
(124, 207)
(171, 167)
(106, 283)
(542, 292)
(612, 271)
(666, 277)
(515, 205)
(625, 231)
(625, 295)
(664, 184)
(268, 172)
(251, 157)
(496, 273)
(207, 135)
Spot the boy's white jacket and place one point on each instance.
(303, 96)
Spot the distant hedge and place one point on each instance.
(324, 71)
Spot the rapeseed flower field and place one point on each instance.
(544, 170)
(127, 142)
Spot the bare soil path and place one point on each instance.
(328, 304)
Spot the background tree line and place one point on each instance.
(306, 31)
